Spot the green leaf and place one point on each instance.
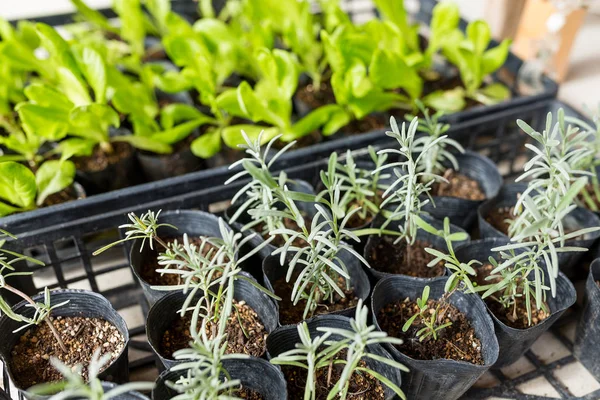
(479, 34)
(492, 94)
(177, 133)
(94, 121)
(94, 17)
(17, 185)
(394, 11)
(75, 147)
(314, 121)
(132, 23)
(93, 68)
(208, 144)
(494, 58)
(46, 96)
(172, 114)
(145, 143)
(49, 123)
(73, 87)
(6, 209)
(389, 71)
(52, 177)
(447, 101)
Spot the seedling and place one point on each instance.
(43, 309)
(75, 385)
(429, 317)
(320, 352)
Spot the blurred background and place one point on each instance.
(574, 41)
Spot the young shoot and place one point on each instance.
(313, 354)
(409, 193)
(203, 374)
(440, 153)
(75, 385)
(426, 317)
(43, 310)
(359, 188)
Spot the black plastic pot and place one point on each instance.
(194, 223)
(4, 395)
(165, 312)
(359, 280)
(182, 160)
(578, 219)
(81, 304)
(438, 379)
(587, 336)
(254, 373)
(436, 241)
(124, 173)
(286, 337)
(308, 208)
(515, 342)
(463, 212)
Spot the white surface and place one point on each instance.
(12, 9)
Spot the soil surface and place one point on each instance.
(455, 342)
(356, 221)
(64, 196)
(99, 160)
(82, 336)
(248, 338)
(362, 385)
(369, 123)
(279, 241)
(149, 267)
(385, 256)
(515, 317)
(316, 98)
(458, 185)
(249, 394)
(292, 314)
(500, 218)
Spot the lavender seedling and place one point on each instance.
(428, 317)
(319, 352)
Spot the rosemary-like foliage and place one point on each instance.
(436, 155)
(43, 310)
(203, 374)
(75, 385)
(359, 187)
(427, 317)
(538, 232)
(313, 354)
(409, 193)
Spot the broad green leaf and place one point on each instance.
(449, 100)
(93, 68)
(75, 147)
(132, 23)
(73, 87)
(492, 94)
(49, 123)
(394, 11)
(445, 19)
(17, 185)
(47, 96)
(375, 101)
(479, 35)
(177, 133)
(144, 143)
(338, 119)
(6, 209)
(312, 122)
(494, 58)
(175, 113)
(208, 144)
(52, 177)
(389, 71)
(94, 121)
(94, 17)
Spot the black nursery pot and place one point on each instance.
(438, 379)
(194, 223)
(121, 174)
(286, 337)
(359, 281)
(254, 268)
(165, 312)
(463, 212)
(577, 219)
(81, 304)
(436, 241)
(4, 395)
(515, 342)
(587, 339)
(255, 374)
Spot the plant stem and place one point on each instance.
(47, 319)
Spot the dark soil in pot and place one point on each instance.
(260, 380)
(143, 263)
(246, 338)
(455, 342)
(274, 278)
(492, 216)
(362, 386)
(181, 161)
(102, 172)
(512, 340)
(86, 323)
(476, 180)
(588, 327)
(386, 257)
(437, 378)
(373, 122)
(73, 192)
(168, 332)
(307, 98)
